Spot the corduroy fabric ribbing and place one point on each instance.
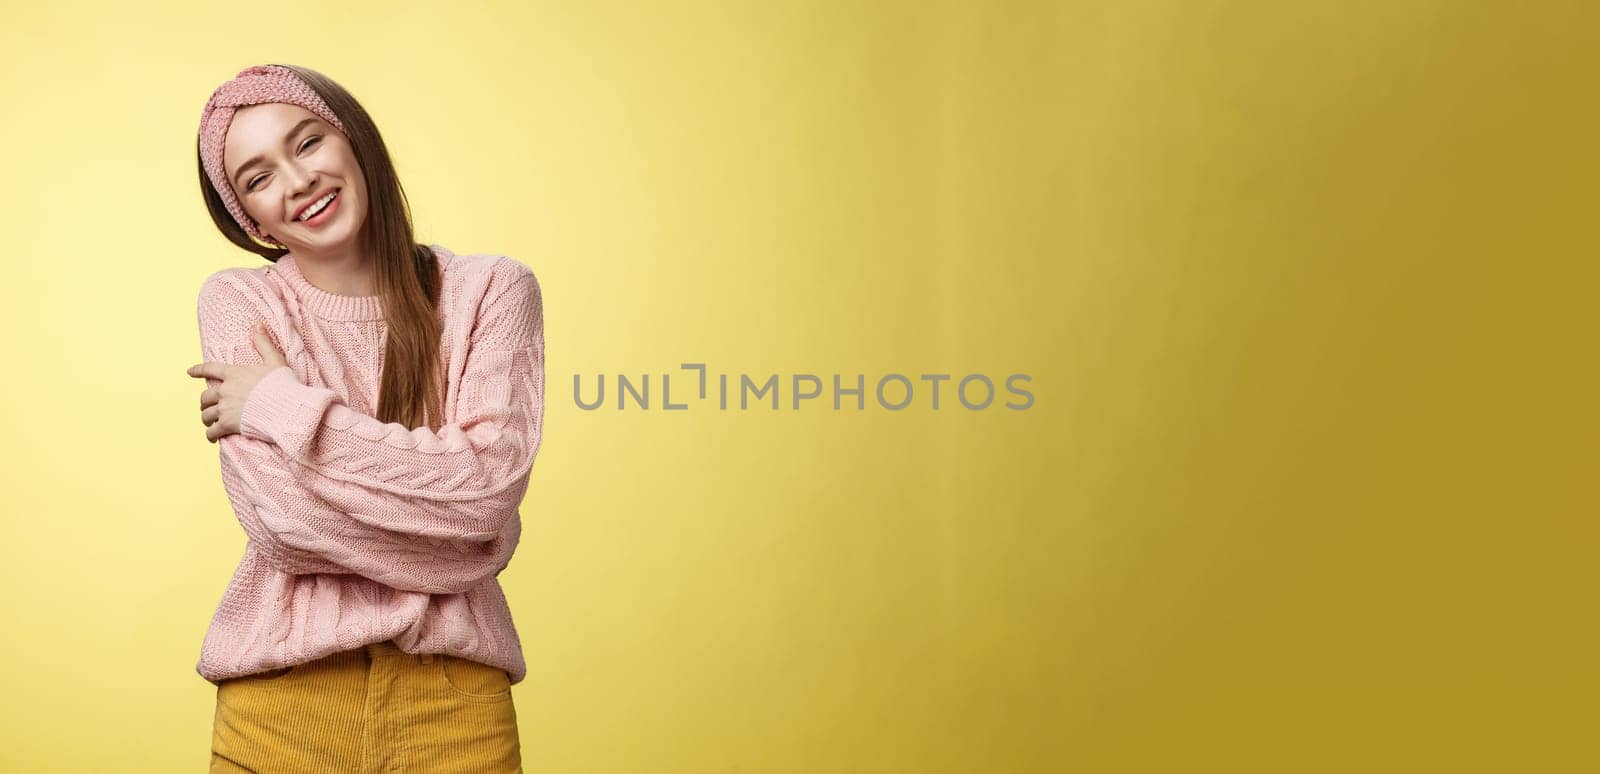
(367, 710)
(361, 531)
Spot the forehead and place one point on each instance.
(257, 129)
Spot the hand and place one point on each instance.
(221, 406)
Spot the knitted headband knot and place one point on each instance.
(252, 86)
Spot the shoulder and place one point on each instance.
(481, 281)
(510, 277)
(494, 300)
(513, 294)
(230, 302)
(236, 287)
(482, 269)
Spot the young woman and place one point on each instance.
(377, 405)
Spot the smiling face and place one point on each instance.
(282, 159)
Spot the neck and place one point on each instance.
(346, 271)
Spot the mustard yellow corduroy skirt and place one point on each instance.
(371, 709)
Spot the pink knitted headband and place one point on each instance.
(252, 86)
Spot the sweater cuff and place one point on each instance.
(271, 403)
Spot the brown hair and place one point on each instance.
(407, 272)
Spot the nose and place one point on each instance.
(300, 180)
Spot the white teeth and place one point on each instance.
(317, 207)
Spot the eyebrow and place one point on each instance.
(254, 160)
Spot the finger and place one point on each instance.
(269, 351)
(208, 397)
(207, 370)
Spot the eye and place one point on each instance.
(308, 143)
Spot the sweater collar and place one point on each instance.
(333, 306)
(324, 304)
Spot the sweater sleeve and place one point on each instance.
(321, 487)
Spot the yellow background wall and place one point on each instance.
(1305, 486)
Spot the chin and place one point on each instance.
(335, 240)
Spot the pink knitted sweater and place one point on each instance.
(361, 531)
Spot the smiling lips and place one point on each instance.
(328, 209)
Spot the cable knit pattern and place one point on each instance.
(359, 530)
